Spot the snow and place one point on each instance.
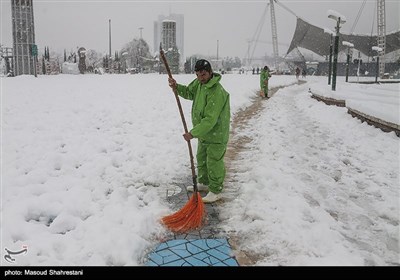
(376, 48)
(327, 30)
(70, 68)
(336, 15)
(380, 101)
(348, 44)
(87, 159)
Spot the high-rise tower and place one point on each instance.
(158, 27)
(23, 37)
(168, 34)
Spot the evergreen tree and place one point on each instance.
(65, 55)
(48, 54)
(43, 66)
(172, 56)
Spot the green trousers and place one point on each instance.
(211, 166)
(265, 90)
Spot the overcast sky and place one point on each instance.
(71, 24)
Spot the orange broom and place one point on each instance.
(192, 215)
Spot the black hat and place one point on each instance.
(202, 64)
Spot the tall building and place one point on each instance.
(168, 34)
(23, 37)
(158, 27)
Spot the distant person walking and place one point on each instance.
(304, 73)
(264, 77)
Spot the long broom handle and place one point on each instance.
(183, 121)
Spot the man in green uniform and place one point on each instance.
(264, 77)
(211, 124)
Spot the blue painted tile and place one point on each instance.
(213, 260)
(193, 249)
(212, 243)
(165, 253)
(156, 258)
(207, 260)
(176, 263)
(178, 247)
(196, 262)
(162, 246)
(194, 252)
(219, 264)
(231, 262)
(200, 256)
(217, 254)
(151, 263)
(201, 243)
(183, 253)
(224, 249)
(171, 258)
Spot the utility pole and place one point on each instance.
(335, 55)
(378, 50)
(140, 28)
(381, 21)
(330, 60)
(109, 37)
(358, 66)
(139, 62)
(217, 49)
(339, 20)
(328, 31)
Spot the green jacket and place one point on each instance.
(210, 109)
(264, 76)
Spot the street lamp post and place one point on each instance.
(349, 47)
(377, 49)
(339, 20)
(330, 55)
(139, 59)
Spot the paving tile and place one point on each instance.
(217, 254)
(198, 252)
(196, 262)
(203, 247)
(175, 263)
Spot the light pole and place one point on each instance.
(378, 50)
(339, 20)
(349, 47)
(109, 38)
(330, 54)
(141, 28)
(217, 54)
(139, 60)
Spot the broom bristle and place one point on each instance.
(190, 217)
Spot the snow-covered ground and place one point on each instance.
(86, 160)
